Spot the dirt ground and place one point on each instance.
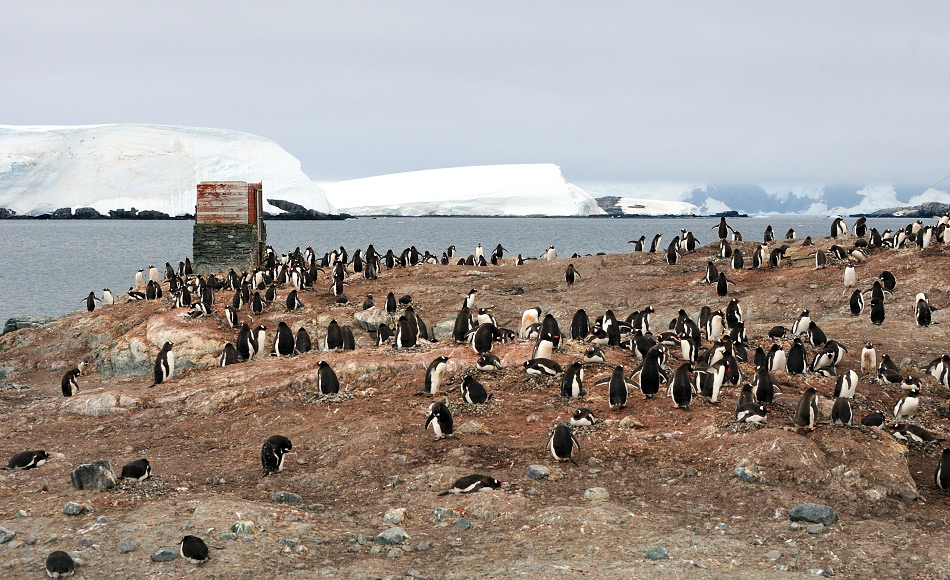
(668, 473)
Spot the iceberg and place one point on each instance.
(149, 167)
(497, 190)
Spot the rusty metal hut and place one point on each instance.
(229, 227)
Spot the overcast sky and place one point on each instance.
(849, 91)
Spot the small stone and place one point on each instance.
(73, 509)
(815, 513)
(100, 519)
(690, 472)
(14, 544)
(781, 567)
(188, 526)
(6, 535)
(772, 555)
(658, 553)
(794, 526)
(472, 428)
(537, 472)
(596, 494)
(462, 524)
(629, 422)
(423, 547)
(438, 513)
(227, 536)
(85, 542)
(394, 515)
(126, 547)
(392, 536)
(364, 539)
(287, 497)
(20, 514)
(164, 555)
(815, 528)
(243, 528)
(288, 543)
(746, 471)
(394, 553)
(303, 529)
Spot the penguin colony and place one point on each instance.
(693, 358)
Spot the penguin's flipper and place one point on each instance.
(602, 381)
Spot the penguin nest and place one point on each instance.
(319, 398)
(151, 487)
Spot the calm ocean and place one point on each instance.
(48, 267)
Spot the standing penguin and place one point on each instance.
(529, 318)
(850, 276)
(807, 413)
(434, 375)
(572, 383)
(405, 334)
(572, 275)
(907, 406)
(722, 285)
(473, 392)
(327, 382)
(229, 355)
(283, 341)
(91, 301)
(164, 364)
(842, 413)
(877, 311)
(922, 310)
(682, 387)
(616, 388)
(857, 302)
(302, 342)
(562, 443)
(795, 363)
(272, 454)
(801, 324)
(108, 298)
(838, 227)
(651, 374)
(334, 338)
(440, 418)
(764, 389)
(777, 360)
(942, 475)
(580, 325)
(293, 301)
(868, 359)
(260, 336)
(245, 343)
(847, 385)
(69, 384)
(888, 280)
(672, 253)
(816, 336)
(257, 304)
(483, 338)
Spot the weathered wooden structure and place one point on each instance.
(229, 227)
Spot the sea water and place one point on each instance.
(49, 266)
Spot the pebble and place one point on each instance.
(394, 553)
(14, 544)
(243, 528)
(438, 513)
(423, 547)
(825, 571)
(462, 524)
(6, 535)
(629, 422)
(658, 553)
(815, 513)
(394, 515)
(101, 519)
(126, 547)
(287, 497)
(537, 472)
(746, 471)
(772, 555)
(164, 555)
(392, 536)
(20, 514)
(815, 528)
(227, 536)
(73, 509)
(596, 494)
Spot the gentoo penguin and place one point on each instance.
(580, 325)
(616, 388)
(28, 460)
(874, 419)
(650, 373)
(327, 383)
(90, 301)
(922, 310)
(790, 234)
(435, 372)
(850, 276)
(842, 412)
(293, 301)
(769, 235)
(82, 365)
(483, 338)
(59, 564)
(572, 383)
(778, 332)
(272, 454)
(868, 359)
(302, 341)
(368, 302)
(655, 244)
(483, 316)
(682, 387)
(734, 313)
(349, 341)
(193, 549)
(860, 228)
(800, 326)
(530, 317)
(910, 432)
(764, 389)
(562, 443)
(164, 364)
(714, 378)
(463, 325)
(877, 311)
(550, 330)
(846, 385)
(283, 341)
(334, 338)
(746, 395)
(777, 360)
(549, 254)
(942, 475)
(542, 366)
(69, 384)
(138, 469)
(488, 362)
(856, 302)
(821, 259)
(816, 336)
(383, 334)
(723, 228)
(638, 244)
(907, 405)
(888, 280)
(229, 355)
(260, 336)
(572, 275)
(473, 392)
(108, 298)
(140, 278)
(440, 418)
(471, 484)
(737, 262)
(939, 368)
(755, 413)
(807, 413)
(257, 304)
(838, 227)
(582, 417)
(712, 274)
(672, 252)
(688, 348)
(722, 285)
(795, 364)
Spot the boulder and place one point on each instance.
(392, 536)
(18, 322)
(815, 513)
(95, 476)
(370, 319)
(101, 404)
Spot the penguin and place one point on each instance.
(734, 313)
(888, 280)
(764, 389)
(616, 388)
(746, 395)
(874, 419)
(737, 262)
(572, 383)
(856, 303)
(69, 384)
(273, 452)
(755, 413)
(164, 364)
(59, 564)
(655, 244)
(877, 311)
(846, 386)
(778, 332)
(712, 274)
(715, 376)
(909, 432)
(572, 275)
(777, 360)
(942, 475)
(580, 325)
(435, 373)
(682, 387)
(391, 306)
(582, 417)
(327, 382)
(441, 420)
(562, 443)
(907, 405)
(795, 364)
(723, 228)
(530, 317)
(821, 259)
(922, 310)
(760, 359)
(138, 469)
(368, 302)
(672, 255)
(483, 338)
(383, 334)
(293, 301)
(28, 460)
(257, 304)
(868, 359)
(334, 338)
(229, 355)
(193, 549)
(722, 285)
(842, 412)
(860, 228)
(790, 234)
(488, 362)
(473, 392)
(463, 325)
(838, 227)
(81, 366)
(850, 276)
(483, 316)
(349, 341)
(769, 235)
(471, 484)
(90, 301)
(245, 343)
(650, 373)
(638, 244)
(140, 278)
(801, 324)
(816, 337)
(550, 330)
(260, 336)
(807, 413)
(550, 254)
(302, 341)
(283, 341)
(939, 368)
(688, 348)
(714, 326)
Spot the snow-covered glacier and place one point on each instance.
(502, 190)
(149, 167)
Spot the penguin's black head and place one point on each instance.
(42, 455)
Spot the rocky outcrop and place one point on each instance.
(94, 476)
(18, 322)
